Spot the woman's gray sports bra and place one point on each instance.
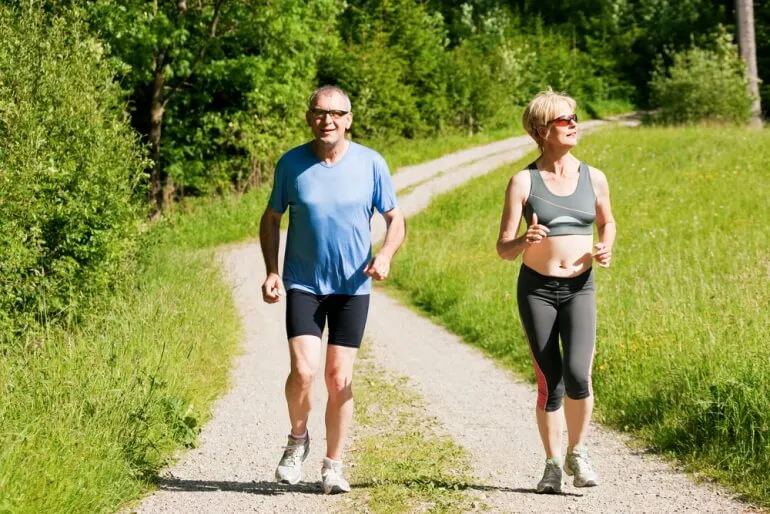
(573, 214)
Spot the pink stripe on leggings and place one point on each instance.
(542, 385)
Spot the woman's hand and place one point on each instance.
(536, 233)
(602, 255)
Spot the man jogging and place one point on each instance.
(331, 187)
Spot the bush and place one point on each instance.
(702, 84)
(392, 62)
(69, 168)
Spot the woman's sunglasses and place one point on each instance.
(563, 121)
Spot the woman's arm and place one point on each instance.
(605, 222)
(509, 247)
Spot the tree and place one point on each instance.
(744, 10)
(209, 67)
(165, 43)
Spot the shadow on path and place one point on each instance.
(272, 488)
(266, 488)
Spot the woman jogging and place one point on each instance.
(560, 198)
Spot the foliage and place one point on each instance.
(69, 165)
(90, 414)
(406, 79)
(226, 80)
(382, 104)
(621, 37)
(392, 62)
(702, 84)
(233, 72)
(490, 73)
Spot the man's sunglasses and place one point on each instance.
(563, 121)
(320, 114)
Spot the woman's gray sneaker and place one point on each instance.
(290, 468)
(552, 477)
(333, 477)
(579, 465)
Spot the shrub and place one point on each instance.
(69, 167)
(392, 62)
(701, 84)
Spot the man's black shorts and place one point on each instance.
(306, 314)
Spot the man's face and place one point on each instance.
(326, 118)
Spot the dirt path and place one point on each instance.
(488, 410)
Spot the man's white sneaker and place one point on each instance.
(333, 477)
(289, 470)
(579, 465)
(552, 477)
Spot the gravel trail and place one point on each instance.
(488, 410)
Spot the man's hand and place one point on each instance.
(603, 254)
(272, 288)
(378, 268)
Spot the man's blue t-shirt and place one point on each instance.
(329, 242)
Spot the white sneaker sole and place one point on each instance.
(284, 480)
(581, 483)
(335, 489)
(585, 483)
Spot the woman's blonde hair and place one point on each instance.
(541, 110)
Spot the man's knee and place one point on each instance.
(339, 383)
(302, 376)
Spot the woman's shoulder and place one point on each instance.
(523, 177)
(520, 183)
(596, 174)
(598, 181)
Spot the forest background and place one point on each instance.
(113, 111)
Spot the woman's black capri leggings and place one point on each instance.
(551, 307)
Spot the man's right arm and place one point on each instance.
(270, 240)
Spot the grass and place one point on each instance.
(398, 453)
(597, 109)
(208, 222)
(682, 356)
(90, 413)
(404, 152)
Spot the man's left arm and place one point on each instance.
(379, 267)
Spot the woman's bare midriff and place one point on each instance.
(560, 256)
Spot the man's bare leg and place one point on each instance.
(339, 409)
(305, 352)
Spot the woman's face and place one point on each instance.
(561, 131)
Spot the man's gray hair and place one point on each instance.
(327, 90)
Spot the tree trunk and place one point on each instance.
(744, 10)
(157, 178)
(169, 189)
